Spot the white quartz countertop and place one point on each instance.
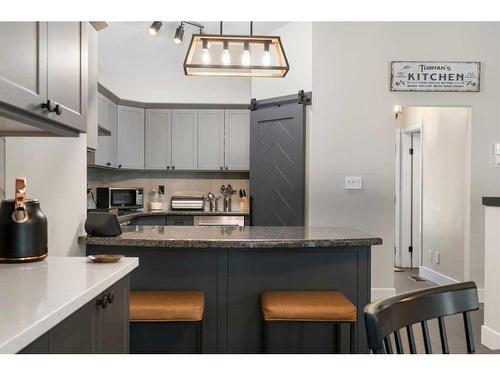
(35, 297)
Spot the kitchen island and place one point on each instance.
(234, 265)
(50, 306)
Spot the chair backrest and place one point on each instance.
(387, 316)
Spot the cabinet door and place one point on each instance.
(184, 139)
(237, 140)
(77, 334)
(114, 320)
(101, 154)
(158, 139)
(112, 126)
(130, 141)
(67, 72)
(92, 101)
(23, 64)
(210, 139)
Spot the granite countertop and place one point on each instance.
(35, 297)
(491, 201)
(235, 237)
(129, 216)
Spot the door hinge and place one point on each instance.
(410, 249)
(411, 151)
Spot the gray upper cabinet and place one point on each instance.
(92, 103)
(67, 72)
(107, 118)
(158, 135)
(130, 137)
(210, 139)
(184, 139)
(23, 64)
(43, 75)
(237, 139)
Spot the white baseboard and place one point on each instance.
(441, 279)
(378, 293)
(490, 338)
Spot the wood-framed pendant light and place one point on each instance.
(236, 56)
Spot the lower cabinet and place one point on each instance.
(96, 327)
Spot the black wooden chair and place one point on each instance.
(387, 316)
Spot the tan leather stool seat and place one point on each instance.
(167, 306)
(325, 306)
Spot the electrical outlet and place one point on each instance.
(436, 257)
(352, 183)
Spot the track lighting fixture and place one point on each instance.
(179, 33)
(155, 27)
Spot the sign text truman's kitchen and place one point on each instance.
(435, 76)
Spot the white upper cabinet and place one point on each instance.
(158, 139)
(107, 118)
(237, 139)
(211, 139)
(184, 139)
(130, 137)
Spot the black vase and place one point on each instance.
(23, 237)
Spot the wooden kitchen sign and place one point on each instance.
(436, 76)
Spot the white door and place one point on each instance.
(158, 139)
(411, 190)
(211, 139)
(184, 139)
(237, 140)
(130, 140)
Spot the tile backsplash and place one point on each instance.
(187, 182)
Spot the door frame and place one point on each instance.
(403, 135)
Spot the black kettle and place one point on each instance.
(23, 228)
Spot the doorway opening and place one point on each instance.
(432, 192)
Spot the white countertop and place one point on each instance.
(35, 297)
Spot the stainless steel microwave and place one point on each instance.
(121, 198)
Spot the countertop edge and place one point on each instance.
(491, 201)
(37, 329)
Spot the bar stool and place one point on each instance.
(161, 307)
(309, 306)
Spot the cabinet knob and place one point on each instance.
(221, 168)
(108, 164)
(119, 165)
(168, 166)
(58, 110)
(103, 302)
(227, 168)
(111, 297)
(49, 105)
(173, 166)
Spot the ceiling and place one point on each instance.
(127, 47)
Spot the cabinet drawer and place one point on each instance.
(180, 220)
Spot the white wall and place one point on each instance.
(2, 169)
(445, 176)
(297, 43)
(137, 66)
(56, 174)
(353, 132)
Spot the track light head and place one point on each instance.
(179, 33)
(155, 27)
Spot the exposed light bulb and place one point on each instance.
(205, 57)
(226, 57)
(245, 57)
(266, 57)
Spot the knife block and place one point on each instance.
(244, 204)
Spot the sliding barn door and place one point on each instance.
(277, 162)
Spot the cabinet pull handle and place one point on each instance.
(49, 105)
(58, 110)
(103, 302)
(111, 297)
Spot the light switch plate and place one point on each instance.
(353, 183)
(497, 148)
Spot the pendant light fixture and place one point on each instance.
(236, 55)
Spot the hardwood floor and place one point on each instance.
(454, 324)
